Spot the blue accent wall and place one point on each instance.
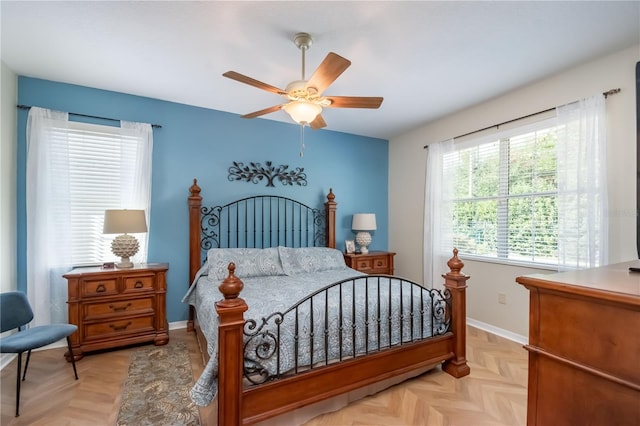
(202, 143)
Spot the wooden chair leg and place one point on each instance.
(18, 385)
(26, 365)
(73, 358)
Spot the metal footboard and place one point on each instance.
(348, 319)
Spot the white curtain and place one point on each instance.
(49, 246)
(138, 195)
(582, 184)
(581, 194)
(438, 243)
(48, 218)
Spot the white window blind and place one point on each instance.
(101, 172)
(503, 195)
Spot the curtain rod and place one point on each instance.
(605, 94)
(155, 126)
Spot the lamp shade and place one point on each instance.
(303, 111)
(124, 222)
(364, 222)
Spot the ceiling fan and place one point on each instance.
(305, 100)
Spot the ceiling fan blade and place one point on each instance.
(327, 72)
(354, 102)
(318, 123)
(253, 82)
(263, 111)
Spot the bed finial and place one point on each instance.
(194, 189)
(231, 288)
(455, 264)
(331, 196)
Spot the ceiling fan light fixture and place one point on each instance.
(303, 112)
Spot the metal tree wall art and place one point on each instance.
(256, 173)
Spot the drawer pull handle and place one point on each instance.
(120, 327)
(120, 308)
(138, 284)
(101, 288)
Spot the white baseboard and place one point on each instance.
(498, 331)
(5, 359)
(177, 325)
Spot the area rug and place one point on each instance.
(157, 388)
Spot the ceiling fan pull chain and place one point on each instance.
(302, 140)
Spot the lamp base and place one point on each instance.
(124, 246)
(124, 263)
(363, 239)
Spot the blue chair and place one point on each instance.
(15, 312)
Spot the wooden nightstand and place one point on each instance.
(117, 307)
(374, 262)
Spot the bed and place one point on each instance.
(283, 323)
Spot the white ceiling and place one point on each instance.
(427, 59)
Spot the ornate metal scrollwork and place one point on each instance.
(209, 222)
(260, 347)
(441, 303)
(319, 220)
(255, 173)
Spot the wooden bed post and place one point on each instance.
(230, 350)
(195, 203)
(456, 283)
(330, 212)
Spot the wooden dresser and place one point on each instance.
(374, 262)
(584, 347)
(117, 307)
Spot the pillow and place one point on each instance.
(250, 262)
(303, 260)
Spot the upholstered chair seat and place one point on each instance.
(16, 313)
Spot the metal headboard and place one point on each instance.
(262, 221)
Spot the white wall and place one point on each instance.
(407, 171)
(8, 177)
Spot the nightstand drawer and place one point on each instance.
(381, 262)
(104, 287)
(117, 307)
(121, 327)
(138, 283)
(377, 262)
(364, 264)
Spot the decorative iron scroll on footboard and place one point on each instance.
(332, 325)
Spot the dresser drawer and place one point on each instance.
(118, 327)
(99, 287)
(138, 283)
(117, 307)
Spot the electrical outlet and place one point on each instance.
(502, 298)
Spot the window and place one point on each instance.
(535, 194)
(503, 196)
(74, 172)
(101, 170)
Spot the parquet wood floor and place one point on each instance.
(494, 393)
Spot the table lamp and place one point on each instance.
(124, 222)
(363, 223)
